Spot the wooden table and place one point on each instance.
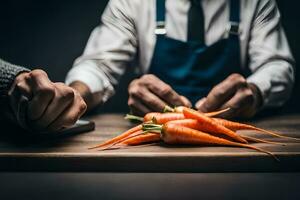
(66, 161)
(70, 153)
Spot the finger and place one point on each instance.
(199, 103)
(25, 89)
(23, 85)
(241, 101)
(186, 102)
(137, 107)
(223, 92)
(153, 102)
(146, 97)
(162, 90)
(43, 93)
(70, 115)
(64, 96)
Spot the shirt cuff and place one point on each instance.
(90, 74)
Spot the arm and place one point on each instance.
(270, 58)
(8, 73)
(271, 64)
(110, 48)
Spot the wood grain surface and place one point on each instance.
(20, 152)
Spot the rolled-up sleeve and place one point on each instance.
(110, 49)
(270, 58)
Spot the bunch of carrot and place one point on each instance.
(183, 125)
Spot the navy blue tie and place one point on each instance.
(195, 22)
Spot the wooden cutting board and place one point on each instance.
(18, 152)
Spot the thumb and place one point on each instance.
(186, 102)
(199, 104)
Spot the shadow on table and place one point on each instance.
(17, 137)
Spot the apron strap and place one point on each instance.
(233, 27)
(234, 24)
(160, 17)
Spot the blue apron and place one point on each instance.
(192, 68)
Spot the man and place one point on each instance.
(210, 54)
(33, 102)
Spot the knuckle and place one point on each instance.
(149, 101)
(22, 77)
(136, 92)
(166, 90)
(67, 94)
(47, 89)
(240, 79)
(133, 90)
(218, 92)
(37, 73)
(147, 77)
(249, 96)
(133, 83)
(234, 76)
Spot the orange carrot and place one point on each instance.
(160, 117)
(248, 138)
(132, 135)
(235, 126)
(166, 117)
(141, 139)
(209, 125)
(119, 137)
(194, 124)
(174, 134)
(176, 113)
(179, 109)
(190, 123)
(149, 116)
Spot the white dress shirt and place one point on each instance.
(127, 31)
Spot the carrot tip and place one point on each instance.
(253, 139)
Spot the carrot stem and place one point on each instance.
(134, 118)
(168, 109)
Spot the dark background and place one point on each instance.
(51, 34)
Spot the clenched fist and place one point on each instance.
(51, 106)
(234, 92)
(149, 93)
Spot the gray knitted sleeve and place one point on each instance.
(8, 73)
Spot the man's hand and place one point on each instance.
(149, 93)
(51, 106)
(234, 92)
